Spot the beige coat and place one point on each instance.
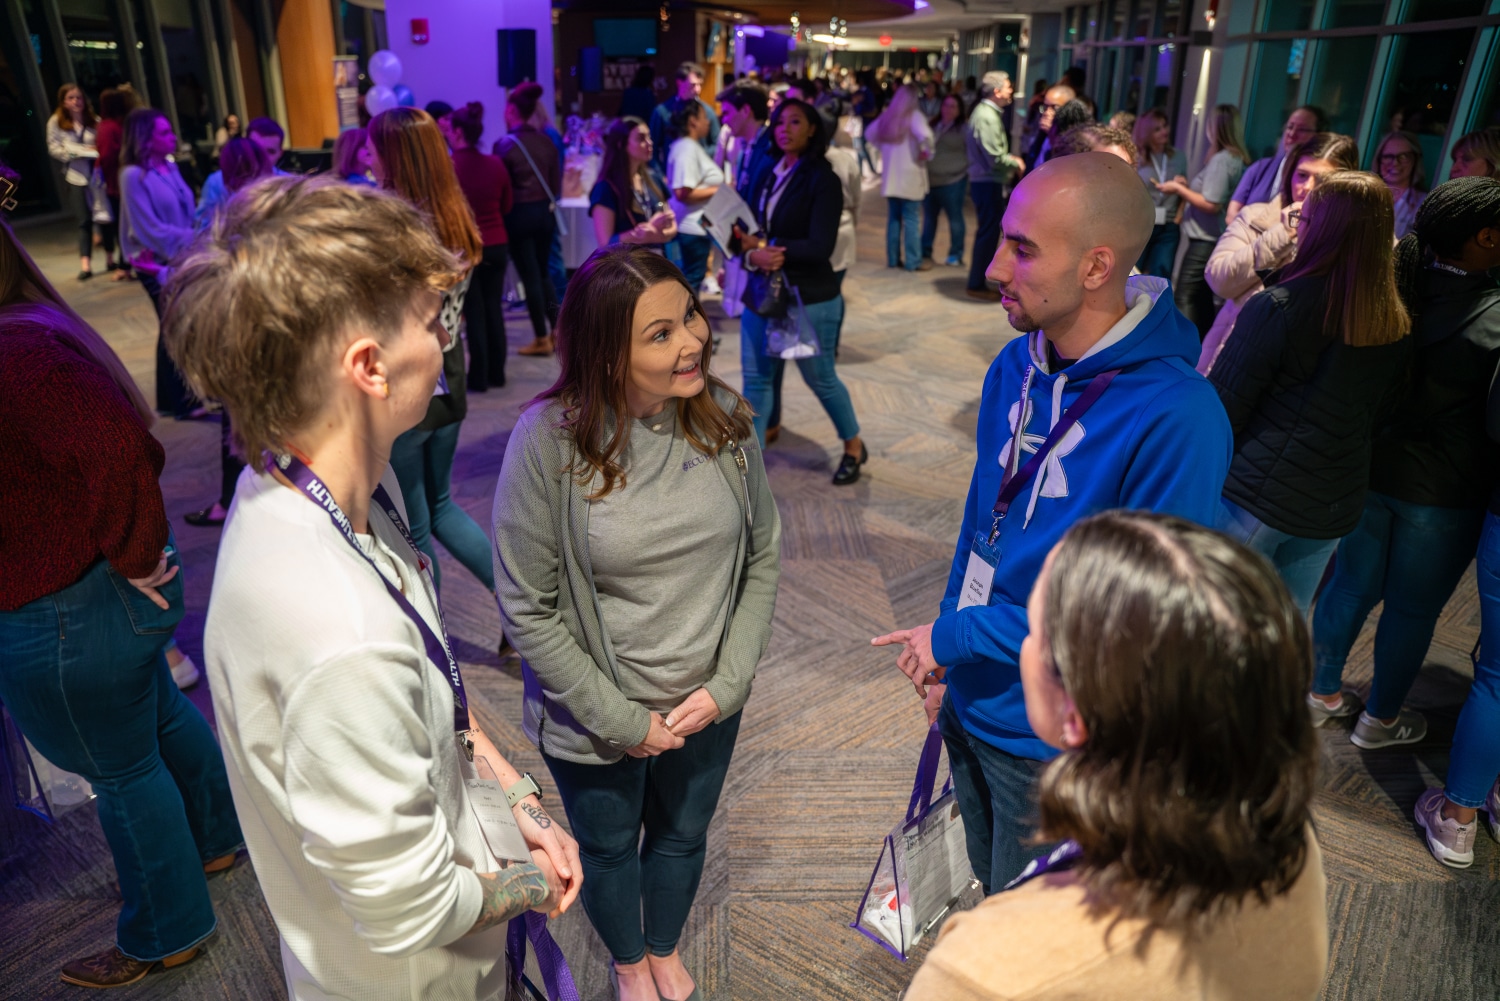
(1255, 241)
(1043, 942)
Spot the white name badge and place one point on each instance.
(487, 800)
(978, 579)
(1161, 215)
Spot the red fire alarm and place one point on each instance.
(419, 33)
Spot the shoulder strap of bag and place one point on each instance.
(542, 180)
(927, 766)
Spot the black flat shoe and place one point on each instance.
(84, 276)
(204, 518)
(849, 466)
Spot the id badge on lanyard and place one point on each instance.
(984, 551)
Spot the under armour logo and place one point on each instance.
(1054, 477)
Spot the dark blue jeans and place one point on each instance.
(1161, 251)
(694, 251)
(997, 798)
(903, 236)
(84, 677)
(423, 461)
(948, 198)
(989, 208)
(1411, 556)
(1475, 760)
(627, 878)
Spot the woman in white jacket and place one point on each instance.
(905, 141)
(373, 806)
(70, 141)
(1263, 237)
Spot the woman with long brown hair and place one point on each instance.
(628, 203)
(1312, 362)
(71, 139)
(90, 591)
(1166, 663)
(410, 157)
(638, 551)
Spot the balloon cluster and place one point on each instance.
(389, 92)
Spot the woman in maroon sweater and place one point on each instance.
(90, 591)
(486, 184)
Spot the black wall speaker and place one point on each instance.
(591, 69)
(517, 47)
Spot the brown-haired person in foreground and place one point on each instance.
(638, 550)
(1312, 363)
(410, 158)
(1159, 651)
(311, 309)
(90, 591)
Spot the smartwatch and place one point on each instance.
(525, 787)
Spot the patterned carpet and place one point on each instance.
(832, 731)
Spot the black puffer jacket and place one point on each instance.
(1303, 406)
(1433, 449)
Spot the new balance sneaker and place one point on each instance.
(1491, 811)
(1322, 713)
(1450, 842)
(1370, 733)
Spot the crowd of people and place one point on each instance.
(1303, 423)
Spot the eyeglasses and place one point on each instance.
(1386, 158)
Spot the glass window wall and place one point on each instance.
(1427, 69)
(187, 68)
(1272, 94)
(94, 45)
(1340, 79)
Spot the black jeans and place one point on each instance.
(78, 205)
(989, 207)
(996, 793)
(484, 309)
(230, 465)
(109, 232)
(172, 394)
(1194, 297)
(530, 227)
(627, 878)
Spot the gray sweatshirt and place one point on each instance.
(589, 694)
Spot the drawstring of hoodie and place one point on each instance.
(1041, 474)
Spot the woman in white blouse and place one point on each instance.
(373, 806)
(906, 144)
(70, 141)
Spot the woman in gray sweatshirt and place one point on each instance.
(637, 551)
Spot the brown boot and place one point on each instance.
(223, 863)
(115, 969)
(540, 346)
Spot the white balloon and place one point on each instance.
(385, 68)
(378, 99)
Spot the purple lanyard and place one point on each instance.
(437, 645)
(1016, 479)
(1065, 856)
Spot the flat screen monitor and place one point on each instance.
(625, 37)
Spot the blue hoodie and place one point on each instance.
(1157, 440)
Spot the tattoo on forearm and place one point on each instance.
(537, 814)
(511, 892)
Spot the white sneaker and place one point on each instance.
(1322, 713)
(710, 286)
(186, 673)
(1369, 733)
(1491, 811)
(1450, 842)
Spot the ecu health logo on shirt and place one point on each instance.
(696, 460)
(1054, 477)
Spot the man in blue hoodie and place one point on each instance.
(1101, 396)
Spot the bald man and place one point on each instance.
(1055, 97)
(1096, 406)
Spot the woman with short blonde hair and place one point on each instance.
(1398, 161)
(311, 309)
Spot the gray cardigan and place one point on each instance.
(574, 709)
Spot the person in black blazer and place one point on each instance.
(797, 204)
